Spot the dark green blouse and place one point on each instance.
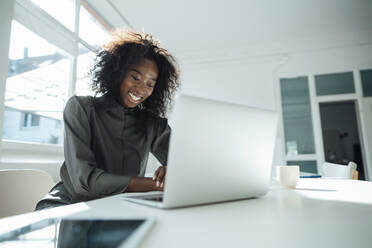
(105, 145)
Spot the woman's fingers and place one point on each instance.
(156, 173)
(160, 176)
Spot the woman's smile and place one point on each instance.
(134, 98)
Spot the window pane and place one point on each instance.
(337, 83)
(36, 88)
(366, 76)
(62, 11)
(298, 127)
(305, 166)
(90, 30)
(83, 79)
(35, 120)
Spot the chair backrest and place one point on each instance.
(20, 190)
(340, 171)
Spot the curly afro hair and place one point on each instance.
(127, 48)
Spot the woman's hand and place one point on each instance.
(159, 176)
(142, 184)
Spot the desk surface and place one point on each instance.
(319, 213)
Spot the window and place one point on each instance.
(336, 83)
(37, 83)
(45, 52)
(91, 27)
(298, 127)
(30, 120)
(35, 120)
(62, 11)
(366, 76)
(83, 79)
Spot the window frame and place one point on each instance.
(41, 23)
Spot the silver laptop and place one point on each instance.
(218, 152)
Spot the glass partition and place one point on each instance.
(298, 127)
(366, 76)
(335, 83)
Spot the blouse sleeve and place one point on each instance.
(160, 144)
(86, 178)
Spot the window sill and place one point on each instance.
(30, 147)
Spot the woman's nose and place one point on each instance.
(141, 88)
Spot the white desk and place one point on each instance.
(319, 213)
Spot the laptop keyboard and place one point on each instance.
(156, 198)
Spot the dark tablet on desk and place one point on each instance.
(78, 233)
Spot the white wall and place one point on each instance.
(248, 82)
(328, 60)
(16, 155)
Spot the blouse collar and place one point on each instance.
(109, 103)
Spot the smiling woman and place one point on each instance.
(127, 51)
(108, 138)
(139, 83)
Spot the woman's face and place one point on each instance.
(139, 83)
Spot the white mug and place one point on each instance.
(288, 175)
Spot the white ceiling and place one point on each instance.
(192, 25)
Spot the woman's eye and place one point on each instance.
(135, 78)
(151, 86)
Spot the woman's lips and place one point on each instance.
(134, 98)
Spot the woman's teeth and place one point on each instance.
(134, 97)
